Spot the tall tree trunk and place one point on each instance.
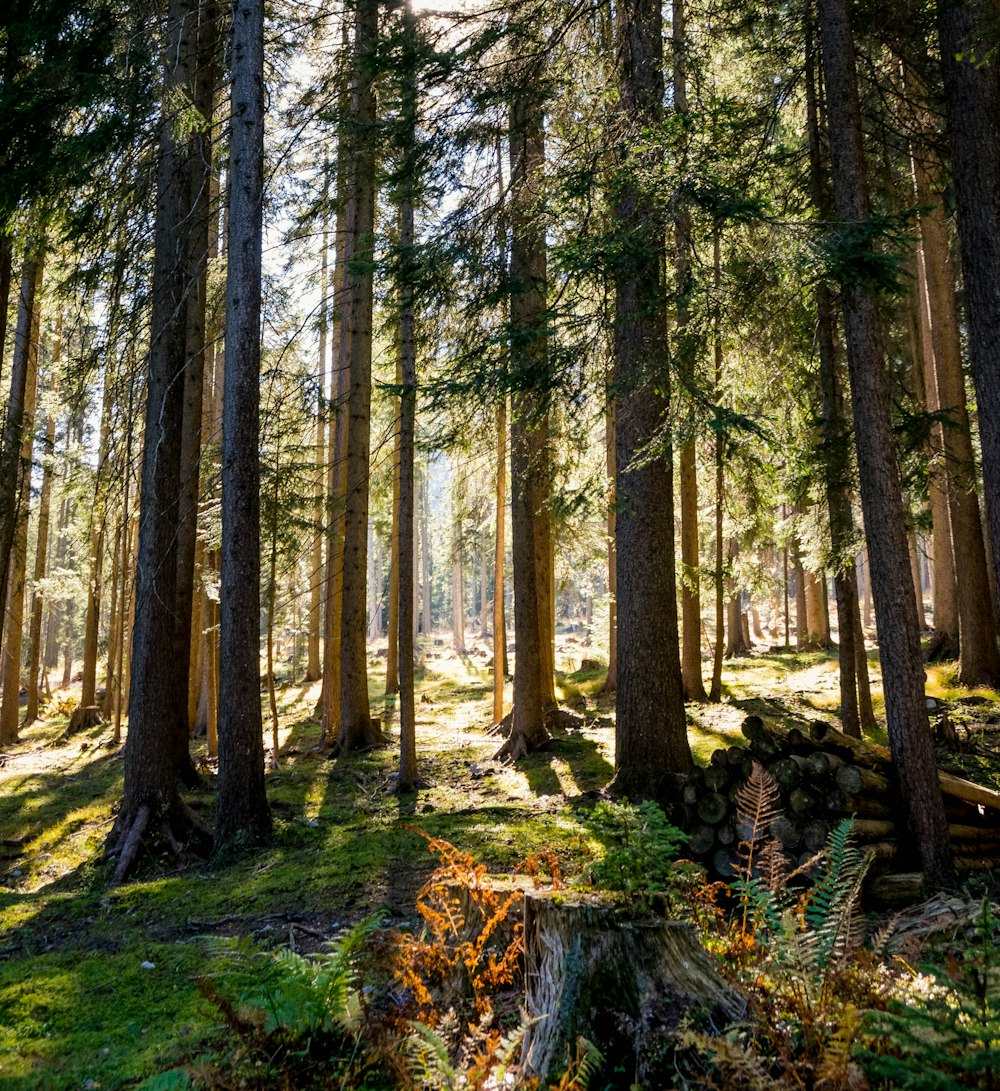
(151, 807)
(41, 553)
(457, 570)
(242, 814)
(14, 622)
(881, 493)
(6, 264)
(979, 659)
(611, 682)
(498, 562)
(529, 363)
(198, 229)
(834, 432)
(968, 32)
(272, 595)
(98, 532)
(337, 475)
(426, 623)
(715, 693)
(314, 666)
(11, 469)
(392, 651)
(355, 729)
(650, 731)
(694, 686)
(408, 776)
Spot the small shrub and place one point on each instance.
(641, 863)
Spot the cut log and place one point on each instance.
(865, 806)
(881, 850)
(623, 985)
(786, 773)
(855, 779)
(815, 833)
(764, 750)
(803, 802)
(797, 741)
(786, 831)
(726, 863)
(717, 778)
(905, 888)
(966, 865)
(820, 764)
(712, 808)
(701, 839)
(873, 829)
(726, 834)
(737, 756)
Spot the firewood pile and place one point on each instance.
(822, 776)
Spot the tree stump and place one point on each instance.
(84, 717)
(622, 984)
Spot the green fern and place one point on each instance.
(833, 909)
(428, 1059)
(300, 998)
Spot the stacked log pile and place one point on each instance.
(822, 776)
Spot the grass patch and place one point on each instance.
(75, 1003)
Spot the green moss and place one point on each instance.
(74, 1001)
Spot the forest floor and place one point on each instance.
(97, 984)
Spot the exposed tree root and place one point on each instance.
(178, 830)
(941, 648)
(403, 787)
(504, 727)
(520, 744)
(565, 719)
(359, 739)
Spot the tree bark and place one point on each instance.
(12, 470)
(41, 554)
(392, 651)
(242, 813)
(314, 666)
(650, 731)
(694, 686)
(881, 493)
(14, 622)
(529, 364)
(498, 562)
(611, 682)
(355, 729)
(715, 693)
(968, 33)
(408, 777)
(979, 659)
(151, 806)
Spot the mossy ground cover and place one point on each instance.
(96, 985)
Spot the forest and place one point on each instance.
(500, 544)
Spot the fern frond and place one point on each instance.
(834, 1068)
(427, 1060)
(832, 910)
(758, 804)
